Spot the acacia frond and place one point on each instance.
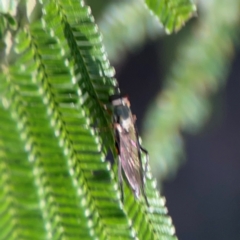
(125, 26)
(199, 71)
(172, 13)
(56, 181)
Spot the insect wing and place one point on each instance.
(130, 161)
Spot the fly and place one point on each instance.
(128, 147)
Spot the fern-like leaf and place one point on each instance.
(199, 71)
(139, 24)
(172, 13)
(56, 181)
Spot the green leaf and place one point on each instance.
(139, 24)
(199, 71)
(172, 13)
(56, 180)
(7, 20)
(11, 21)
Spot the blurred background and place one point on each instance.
(185, 90)
(203, 196)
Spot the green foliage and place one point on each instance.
(55, 180)
(199, 71)
(172, 13)
(138, 25)
(6, 22)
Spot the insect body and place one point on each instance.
(128, 146)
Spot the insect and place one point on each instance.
(128, 147)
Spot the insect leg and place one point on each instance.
(143, 150)
(145, 196)
(147, 158)
(143, 176)
(143, 171)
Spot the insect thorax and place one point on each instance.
(122, 111)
